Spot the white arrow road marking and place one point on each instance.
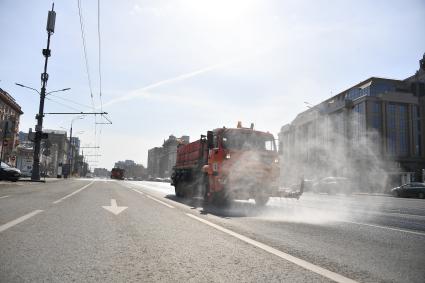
(114, 208)
(4, 196)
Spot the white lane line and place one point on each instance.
(161, 202)
(18, 220)
(403, 214)
(388, 228)
(73, 193)
(138, 192)
(152, 198)
(4, 197)
(302, 263)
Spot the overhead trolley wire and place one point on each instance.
(100, 55)
(85, 51)
(63, 104)
(98, 139)
(71, 101)
(80, 13)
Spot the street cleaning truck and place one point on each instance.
(229, 164)
(117, 173)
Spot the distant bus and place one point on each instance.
(117, 173)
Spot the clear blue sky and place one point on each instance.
(184, 67)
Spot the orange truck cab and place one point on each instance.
(227, 164)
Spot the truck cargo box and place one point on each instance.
(191, 155)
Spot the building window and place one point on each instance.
(397, 130)
(416, 124)
(381, 87)
(376, 116)
(403, 150)
(359, 124)
(391, 129)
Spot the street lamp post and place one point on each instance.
(50, 28)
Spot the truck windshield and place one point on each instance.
(249, 141)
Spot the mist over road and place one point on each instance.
(115, 231)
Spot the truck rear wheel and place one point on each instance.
(220, 199)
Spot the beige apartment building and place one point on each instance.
(372, 133)
(161, 160)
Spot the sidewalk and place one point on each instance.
(23, 181)
(42, 180)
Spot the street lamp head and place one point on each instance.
(21, 85)
(59, 90)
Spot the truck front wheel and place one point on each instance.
(261, 200)
(179, 190)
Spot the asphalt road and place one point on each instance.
(115, 231)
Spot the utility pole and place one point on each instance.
(72, 152)
(35, 175)
(71, 146)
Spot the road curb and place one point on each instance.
(373, 194)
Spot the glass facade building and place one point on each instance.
(372, 88)
(375, 126)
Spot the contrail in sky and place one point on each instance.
(142, 91)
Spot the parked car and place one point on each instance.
(332, 185)
(415, 189)
(9, 173)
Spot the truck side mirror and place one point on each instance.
(210, 139)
